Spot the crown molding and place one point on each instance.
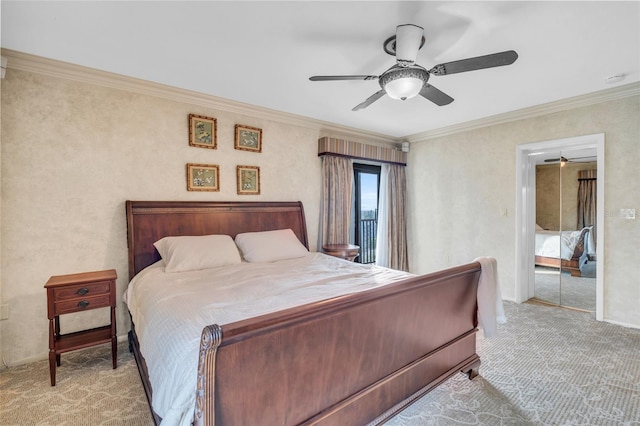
(53, 68)
(615, 93)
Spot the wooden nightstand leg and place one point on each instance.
(56, 336)
(114, 352)
(52, 366)
(52, 352)
(114, 338)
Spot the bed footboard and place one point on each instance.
(342, 361)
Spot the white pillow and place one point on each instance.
(191, 253)
(269, 246)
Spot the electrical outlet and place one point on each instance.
(4, 312)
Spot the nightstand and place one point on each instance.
(76, 293)
(344, 251)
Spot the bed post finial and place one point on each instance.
(205, 408)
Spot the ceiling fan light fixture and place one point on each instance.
(404, 83)
(403, 88)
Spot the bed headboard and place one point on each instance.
(149, 221)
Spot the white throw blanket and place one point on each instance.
(490, 308)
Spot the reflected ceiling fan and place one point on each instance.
(406, 79)
(562, 159)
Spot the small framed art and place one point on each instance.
(203, 131)
(248, 178)
(248, 138)
(203, 177)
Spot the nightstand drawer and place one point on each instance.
(82, 304)
(81, 290)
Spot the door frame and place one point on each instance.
(526, 212)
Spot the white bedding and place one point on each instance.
(556, 244)
(170, 310)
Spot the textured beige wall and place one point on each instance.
(460, 186)
(72, 153)
(548, 196)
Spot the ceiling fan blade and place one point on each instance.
(408, 41)
(435, 95)
(480, 62)
(371, 99)
(342, 77)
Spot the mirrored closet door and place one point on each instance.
(565, 229)
(547, 272)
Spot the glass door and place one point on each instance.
(366, 185)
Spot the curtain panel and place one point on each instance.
(587, 190)
(391, 246)
(337, 184)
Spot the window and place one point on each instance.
(366, 186)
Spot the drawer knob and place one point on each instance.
(83, 304)
(82, 291)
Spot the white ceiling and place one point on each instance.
(263, 53)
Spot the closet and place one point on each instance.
(565, 237)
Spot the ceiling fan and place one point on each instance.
(406, 79)
(562, 159)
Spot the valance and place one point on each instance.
(587, 174)
(343, 148)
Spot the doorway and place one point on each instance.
(565, 259)
(365, 213)
(528, 157)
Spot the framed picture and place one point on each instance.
(203, 131)
(248, 178)
(248, 138)
(203, 177)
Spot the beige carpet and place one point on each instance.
(88, 391)
(548, 366)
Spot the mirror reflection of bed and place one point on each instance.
(565, 243)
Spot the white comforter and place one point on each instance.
(556, 244)
(171, 309)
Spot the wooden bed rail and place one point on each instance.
(341, 360)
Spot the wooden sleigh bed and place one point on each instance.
(347, 360)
